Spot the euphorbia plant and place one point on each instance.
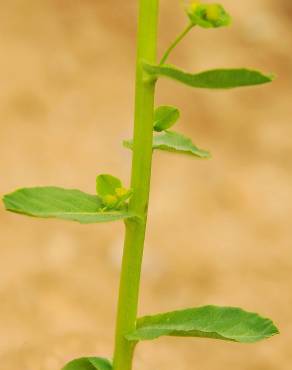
(115, 202)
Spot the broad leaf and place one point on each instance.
(213, 79)
(172, 141)
(66, 204)
(89, 363)
(107, 185)
(227, 323)
(165, 117)
(208, 15)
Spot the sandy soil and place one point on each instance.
(219, 230)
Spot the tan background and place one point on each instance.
(219, 230)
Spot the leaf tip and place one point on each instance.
(274, 329)
(6, 200)
(3, 198)
(272, 77)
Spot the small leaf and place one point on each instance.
(208, 15)
(66, 204)
(107, 185)
(226, 323)
(111, 192)
(213, 79)
(89, 363)
(165, 117)
(172, 141)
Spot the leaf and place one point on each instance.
(107, 185)
(66, 204)
(208, 15)
(111, 192)
(213, 79)
(165, 117)
(89, 363)
(172, 141)
(226, 323)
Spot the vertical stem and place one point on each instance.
(140, 183)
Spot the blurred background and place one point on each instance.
(219, 231)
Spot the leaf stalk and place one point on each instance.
(179, 38)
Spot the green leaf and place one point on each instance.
(227, 323)
(89, 363)
(66, 204)
(213, 79)
(172, 141)
(111, 192)
(107, 185)
(208, 15)
(165, 117)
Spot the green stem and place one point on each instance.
(140, 183)
(176, 42)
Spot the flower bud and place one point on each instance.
(213, 12)
(121, 192)
(110, 201)
(208, 15)
(193, 6)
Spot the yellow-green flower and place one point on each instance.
(110, 201)
(208, 15)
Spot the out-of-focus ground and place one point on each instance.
(220, 231)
